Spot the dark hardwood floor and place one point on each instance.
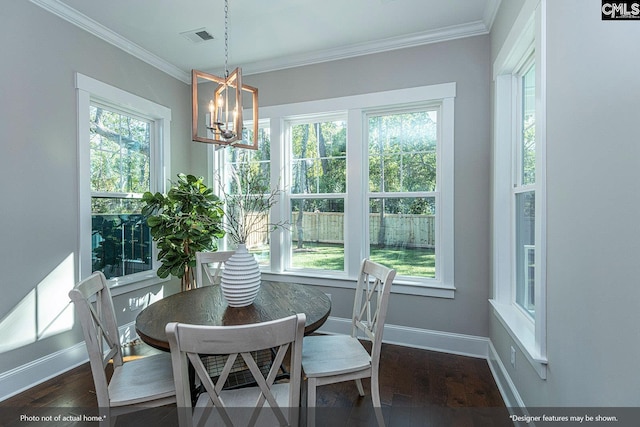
(417, 388)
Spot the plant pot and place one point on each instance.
(241, 278)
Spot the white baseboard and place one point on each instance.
(507, 389)
(29, 375)
(446, 342)
(38, 371)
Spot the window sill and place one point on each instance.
(523, 333)
(337, 280)
(134, 282)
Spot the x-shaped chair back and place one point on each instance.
(370, 304)
(131, 386)
(203, 261)
(243, 406)
(100, 329)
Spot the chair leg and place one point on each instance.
(106, 419)
(311, 392)
(359, 385)
(375, 391)
(311, 402)
(379, 417)
(375, 398)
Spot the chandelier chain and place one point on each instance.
(226, 38)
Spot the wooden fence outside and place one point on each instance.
(259, 238)
(414, 231)
(417, 231)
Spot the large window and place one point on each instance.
(239, 164)
(519, 255)
(120, 173)
(403, 196)
(122, 146)
(365, 176)
(524, 193)
(318, 184)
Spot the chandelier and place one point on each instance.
(222, 103)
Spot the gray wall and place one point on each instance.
(39, 164)
(593, 238)
(593, 171)
(507, 13)
(466, 62)
(38, 160)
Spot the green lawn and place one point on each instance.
(413, 262)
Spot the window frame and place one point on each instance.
(289, 197)
(519, 187)
(436, 193)
(90, 91)
(217, 170)
(527, 38)
(356, 107)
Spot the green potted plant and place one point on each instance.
(187, 220)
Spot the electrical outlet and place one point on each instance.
(513, 357)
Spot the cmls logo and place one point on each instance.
(620, 10)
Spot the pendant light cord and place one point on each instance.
(226, 38)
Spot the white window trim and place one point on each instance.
(286, 246)
(529, 335)
(216, 164)
(356, 107)
(88, 90)
(437, 193)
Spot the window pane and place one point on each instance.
(252, 170)
(402, 234)
(319, 153)
(120, 155)
(120, 163)
(317, 234)
(402, 151)
(528, 127)
(249, 177)
(525, 251)
(256, 221)
(120, 237)
(258, 240)
(263, 153)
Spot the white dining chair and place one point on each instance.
(204, 261)
(329, 359)
(267, 403)
(134, 385)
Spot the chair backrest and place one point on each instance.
(100, 329)
(203, 261)
(189, 342)
(370, 305)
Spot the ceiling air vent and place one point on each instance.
(198, 35)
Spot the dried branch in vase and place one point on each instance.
(248, 199)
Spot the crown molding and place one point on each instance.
(412, 40)
(417, 39)
(89, 25)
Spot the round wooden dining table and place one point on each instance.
(207, 306)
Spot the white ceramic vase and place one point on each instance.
(241, 278)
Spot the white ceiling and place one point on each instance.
(267, 35)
